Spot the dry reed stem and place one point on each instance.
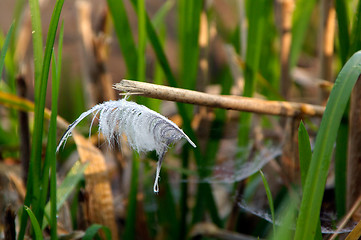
(24, 131)
(348, 216)
(101, 204)
(327, 38)
(354, 150)
(287, 7)
(280, 108)
(95, 50)
(327, 32)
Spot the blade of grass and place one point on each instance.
(130, 230)
(36, 150)
(125, 37)
(355, 37)
(34, 223)
(93, 230)
(41, 77)
(37, 44)
(288, 213)
(343, 29)
(300, 21)
(188, 24)
(256, 18)
(318, 170)
(51, 147)
(305, 156)
(270, 199)
(5, 48)
(304, 150)
(55, 91)
(70, 182)
(166, 205)
(50, 158)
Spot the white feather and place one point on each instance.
(145, 129)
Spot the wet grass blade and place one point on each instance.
(34, 223)
(5, 48)
(270, 199)
(321, 158)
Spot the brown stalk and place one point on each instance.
(95, 49)
(286, 37)
(354, 152)
(203, 45)
(24, 132)
(280, 108)
(327, 32)
(101, 205)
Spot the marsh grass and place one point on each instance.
(183, 203)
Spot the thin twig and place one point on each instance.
(280, 108)
(352, 211)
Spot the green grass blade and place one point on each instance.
(92, 231)
(37, 43)
(142, 37)
(321, 158)
(158, 19)
(300, 21)
(40, 106)
(343, 29)
(356, 30)
(270, 199)
(340, 168)
(305, 156)
(304, 150)
(288, 212)
(256, 18)
(34, 223)
(65, 189)
(124, 33)
(188, 24)
(129, 232)
(5, 48)
(41, 76)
